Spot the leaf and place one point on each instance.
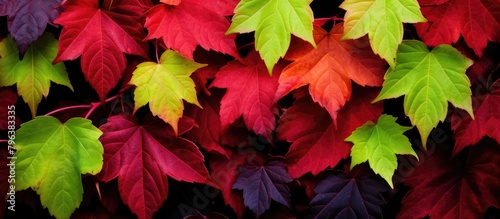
(329, 68)
(273, 22)
(342, 196)
(316, 143)
(445, 187)
(260, 184)
(34, 72)
(51, 157)
(164, 85)
(250, 93)
(141, 155)
(382, 20)
(470, 131)
(476, 20)
(188, 24)
(100, 37)
(428, 79)
(208, 133)
(27, 19)
(378, 144)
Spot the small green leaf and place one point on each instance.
(382, 20)
(428, 79)
(51, 158)
(273, 22)
(164, 85)
(378, 144)
(34, 73)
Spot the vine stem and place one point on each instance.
(156, 51)
(4, 140)
(92, 106)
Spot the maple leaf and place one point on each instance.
(273, 22)
(250, 93)
(476, 20)
(164, 85)
(51, 157)
(329, 68)
(188, 24)
(261, 183)
(34, 72)
(382, 20)
(208, 133)
(469, 131)
(225, 172)
(317, 144)
(378, 144)
(105, 36)
(428, 79)
(342, 196)
(27, 19)
(142, 155)
(445, 187)
(9, 98)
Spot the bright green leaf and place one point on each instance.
(429, 80)
(378, 144)
(273, 22)
(164, 85)
(382, 20)
(34, 73)
(51, 158)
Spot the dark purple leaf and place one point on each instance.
(342, 196)
(261, 183)
(27, 19)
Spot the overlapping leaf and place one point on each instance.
(469, 131)
(378, 144)
(317, 144)
(478, 21)
(34, 72)
(101, 38)
(273, 22)
(329, 69)
(382, 20)
(164, 85)
(428, 79)
(28, 19)
(142, 155)
(250, 93)
(51, 158)
(444, 187)
(188, 24)
(261, 183)
(342, 196)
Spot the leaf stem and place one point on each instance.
(4, 140)
(156, 51)
(92, 106)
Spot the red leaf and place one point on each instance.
(4, 177)
(329, 69)
(100, 37)
(191, 23)
(316, 143)
(445, 187)
(476, 20)
(208, 133)
(250, 93)
(141, 155)
(261, 183)
(486, 122)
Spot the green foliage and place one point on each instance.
(428, 79)
(51, 158)
(273, 22)
(34, 72)
(378, 144)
